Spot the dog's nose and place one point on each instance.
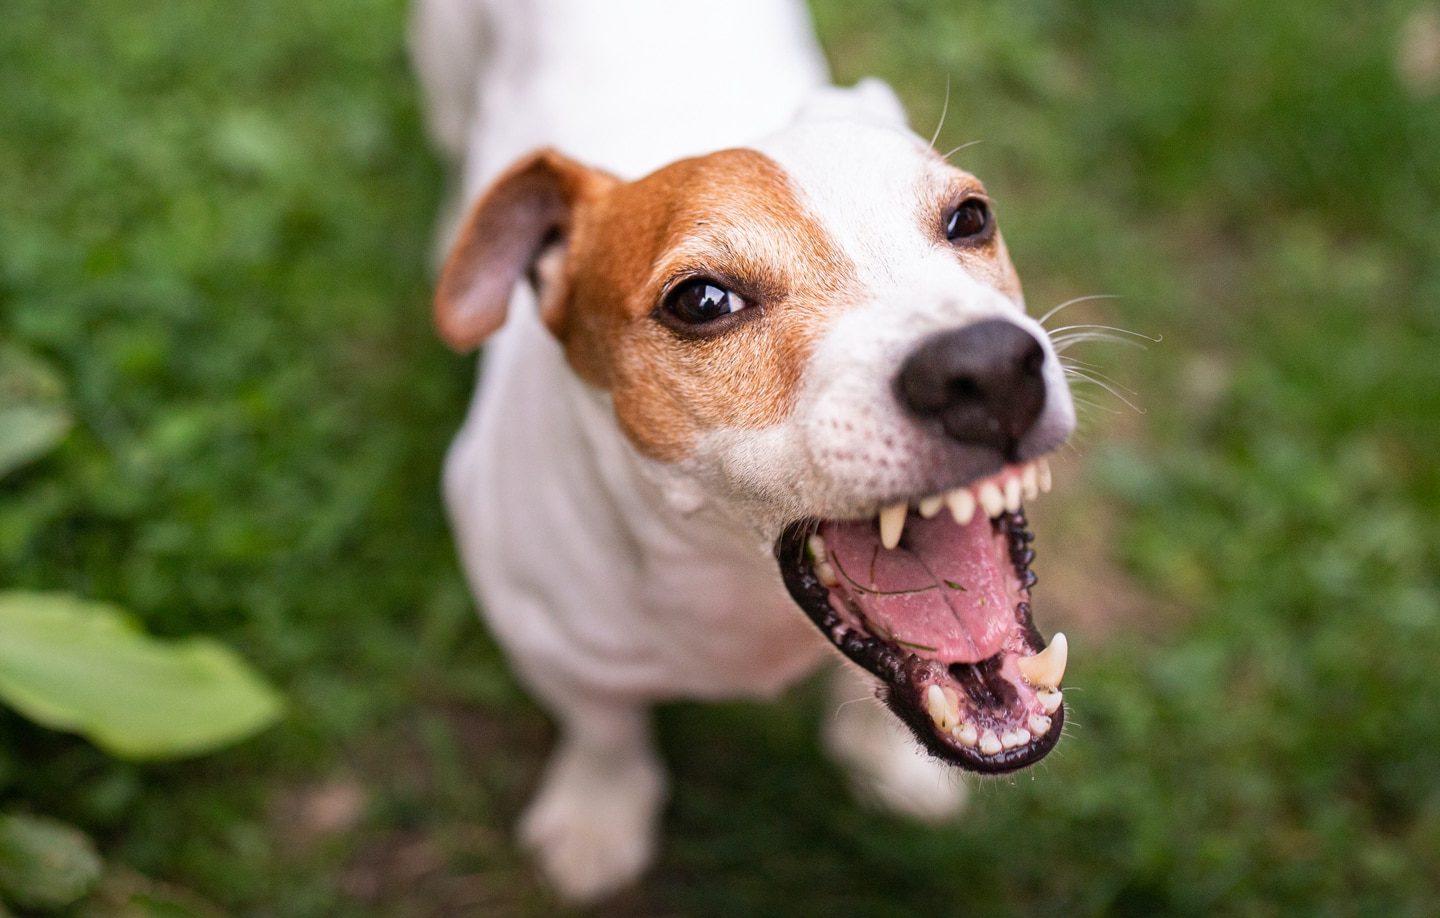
(982, 382)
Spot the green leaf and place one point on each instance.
(44, 863)
(76, 665)
(33, 416)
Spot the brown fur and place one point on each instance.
(730, 216)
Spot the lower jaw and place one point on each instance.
(988, 735)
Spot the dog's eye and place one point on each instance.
(969, 223)
(697, 302)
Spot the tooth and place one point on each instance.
(1039, 724)
(1012, 494)
(962, 505)
(1046, 668)
(1049, 700)
(991, 500)
(892, 523)
(931, 505)
(826, 574)
(989, 743)
(1012, 738)
(935, 705)
(1043, 475)
(966, 735)
(816, 544)
(1029, 481)
(952, 705)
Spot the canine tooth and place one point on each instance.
(1046, 668)
(952, 705)
(935, 705)
(931, 505)
(826, 574)
(892, 523)
(962, 505)
(1012, 494)
(1049, 700)
(816, 544)
(1012, 738)
(989, 742)
(1043, 475)
(1030, 481)
(1039, 724)
(991, 500)
(966, 735)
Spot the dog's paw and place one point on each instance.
(912, 784)
(592, 827)
(887, 769)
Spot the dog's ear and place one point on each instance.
(520, 224)
(870, 101)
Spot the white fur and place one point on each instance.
(614, 581)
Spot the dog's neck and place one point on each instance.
(632, 102)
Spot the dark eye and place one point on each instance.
(970, 222)
(697, 302)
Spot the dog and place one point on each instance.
(758, 385)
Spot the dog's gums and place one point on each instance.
(937, 605)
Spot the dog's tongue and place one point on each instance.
(947, 590)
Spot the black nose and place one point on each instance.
(982, 382)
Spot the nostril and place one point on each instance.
(963, 389)
(1033, 360)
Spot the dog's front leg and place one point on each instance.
(886, 767)
(592, 825)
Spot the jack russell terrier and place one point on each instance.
(720, 385)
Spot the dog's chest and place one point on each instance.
(729, 629)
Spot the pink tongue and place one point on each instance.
(947, 591)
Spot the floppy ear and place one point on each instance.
(526, 213)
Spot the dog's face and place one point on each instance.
(817, 333)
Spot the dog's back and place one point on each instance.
(625, 86)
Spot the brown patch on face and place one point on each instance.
(731, 217)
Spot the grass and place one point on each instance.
(216, 222)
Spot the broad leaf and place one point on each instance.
(33, 416)
(82, 666)
(45, 864)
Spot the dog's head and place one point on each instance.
(818, 333)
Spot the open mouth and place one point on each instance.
(935, 601)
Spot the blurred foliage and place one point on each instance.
(33, 417)
(216, 229)
(45, 864)
(74, 665)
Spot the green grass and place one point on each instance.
(215, 220)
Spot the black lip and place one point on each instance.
(897, 669)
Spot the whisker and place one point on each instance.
(1064, 342)
(1077, 374)
(964, 146)
(1092, 405)
(1124, 331)
(1077, 362)
(944, 110)
(1094, 375)
(1079, 299)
